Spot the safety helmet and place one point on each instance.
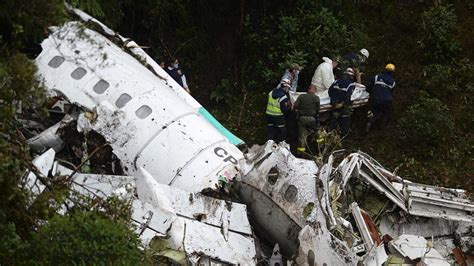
(349, 71)
(364, 52)
(390, 67)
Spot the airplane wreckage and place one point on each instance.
(171, 159)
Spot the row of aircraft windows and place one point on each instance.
(101, 86)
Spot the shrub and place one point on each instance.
(427, 125)
(302, 37)
(443, 80)
(10, 244)
(85, 238)
(438, 39)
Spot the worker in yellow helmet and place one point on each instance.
(381, 89)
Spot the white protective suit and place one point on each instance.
(323, 76)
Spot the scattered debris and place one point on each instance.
(338, 223)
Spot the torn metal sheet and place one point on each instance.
(383, 180)
(325, 199)
(362, 226)
(377, 256)
(43, 163)
(439, 202)
(421, 226)
(190, 222)
(317, 245)
(200, 238)
(194, 205)
(415, 199)
(349, 167)
(49, 138)
(277, 188)
(276, 259)
(400, 203)
(416, 247)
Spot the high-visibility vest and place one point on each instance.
(273, 106)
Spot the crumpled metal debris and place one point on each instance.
(43, 163)
(174, 221)
(49, 138)
(271, 169)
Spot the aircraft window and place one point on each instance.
(101, 86)
(273, 175)
(56, 61)
(291, 193)
(78, 73)
(143, 112)
(123, 100)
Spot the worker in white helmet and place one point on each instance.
(356, 61)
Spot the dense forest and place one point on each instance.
(233, 52)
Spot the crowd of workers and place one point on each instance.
(335, 77)
(339, 77)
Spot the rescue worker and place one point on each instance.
(175, 72)
(292, 75)
(324, 76)
(356, 61)
(340, 95)
(307, 107)
(278, 104)
(381, 89)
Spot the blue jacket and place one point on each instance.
(341, 91)
(381, 88)
(176, 74)
(279, 93)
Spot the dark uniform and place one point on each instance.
(340, 93)
(380, 89)
(277, 106)
(308, 120)
(176, 74)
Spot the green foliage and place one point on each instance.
(84, 238)
(13, 198)
(438, 39)
(223, 92)
(79, 238)
(113, 207)
(10, 244)
(19, 86)
(303, 37)
(315, 31)
(428, 126)
(90, 6)
(293, 56)
(25, 22)
(443, 80)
